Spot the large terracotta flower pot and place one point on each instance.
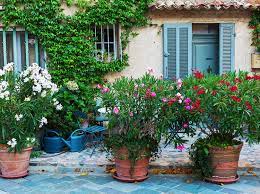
(14, 165)
(127, 173)
(224, 163)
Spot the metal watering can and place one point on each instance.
(77, 141)
(52, 144)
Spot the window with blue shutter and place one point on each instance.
(177, 50)
(227, 47)
(20, 47)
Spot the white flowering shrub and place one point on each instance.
(25, 102)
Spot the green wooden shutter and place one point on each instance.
(177, 50)
(227, 47)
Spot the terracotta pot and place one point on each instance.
(14, 165)
(224, 163)
(125, 173)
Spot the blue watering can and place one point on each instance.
(53, 142)
(77, 141)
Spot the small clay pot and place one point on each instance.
(125, 173)
(14, 164)
(224, 163)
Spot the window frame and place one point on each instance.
(16, 46)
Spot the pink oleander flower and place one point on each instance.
(187, 101)
(164, 100)
(136, 86)
(186, 125)
(116, 110)
(99, 86)
(105, 90)
(153, 94)
(150, 70)
(180, 147)
(188, 107)
(131, 114)
(179, 84)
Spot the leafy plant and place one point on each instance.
(228, 109)
(25, 101)
(69, 40)
(255, 25)
(76, 98)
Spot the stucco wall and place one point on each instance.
(146, 49)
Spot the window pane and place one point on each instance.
(21, 49)
(9, 47)
(98, 34)
(105, 33)
(111, 48)
(1, 50)
(31, 42)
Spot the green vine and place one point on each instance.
(255, 25)
(69, 40)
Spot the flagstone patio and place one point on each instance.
(104, 184)
(170, 158)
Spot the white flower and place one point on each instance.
(27, 99)
(26, 80)
(55, 102)
(43, 121)
(2, 72)
(179, 95)
(72, 85)
(18, 117)
(9, 67)
(37, 88)
(12, 143)
(180, 101)
(3, 85)
(59, 107)
(43, 94)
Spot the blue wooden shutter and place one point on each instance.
(177, 50)
(227, 47)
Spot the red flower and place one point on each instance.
(248, 77)
(214, 93)
(235, 98)
(257, 77)
(233, 88)
(237, 80)
(171, 101)
(196, 105)
(248, 105)
(222, 82)
(201, 91)
(198, 75)
(227, 83)
(195, 87)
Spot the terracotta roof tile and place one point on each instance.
(208, 4)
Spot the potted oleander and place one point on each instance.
(25, 102)
(135, 113)
(229, 112)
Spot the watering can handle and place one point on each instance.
(76, 131)
(66, 143)
(52, 131)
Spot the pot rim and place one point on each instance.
(238, 146)
(6, 150)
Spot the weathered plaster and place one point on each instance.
(146, 49)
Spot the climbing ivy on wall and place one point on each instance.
(68, 40)
(255, 25)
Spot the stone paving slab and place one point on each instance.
(170, 158)
(41, 183)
